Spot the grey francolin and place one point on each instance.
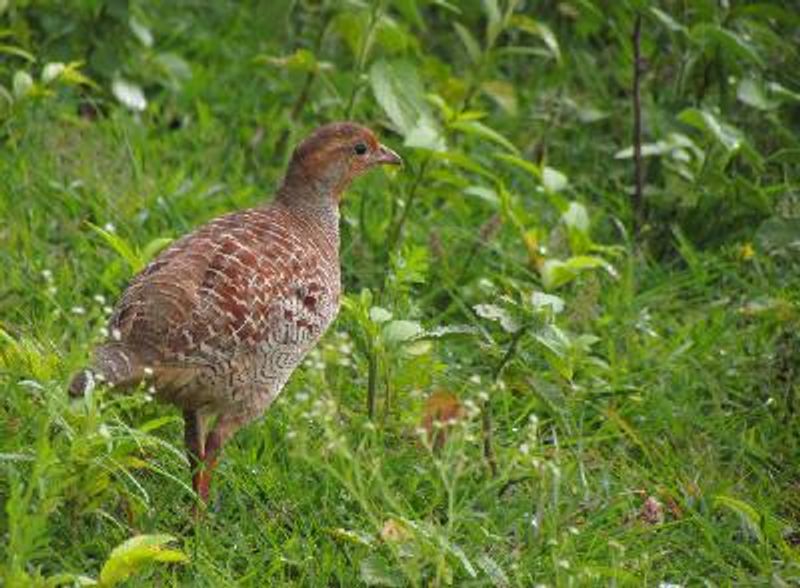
(218, 322)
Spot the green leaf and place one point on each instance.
(129, 94)
(728, 42)
(778, 233)
(399, 91)
(729, 137)
(555, 272)
(553, 180)
(400, 331)
(301, 60)
(542, 301)
(22, 83)
(473, 127)
(379, 315)
(753, 94)
(498, 313)
(121, 247)
(13, 50)
(470, 43)
(153, 248)
(538, 29)
(135, 554)
(375, 571)
(503, 94)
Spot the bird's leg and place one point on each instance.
(226, 426)
(194, 438)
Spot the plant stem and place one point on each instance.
(638, 193)
(486, 413)
(397, 230)
(372, 383)
(363, 54)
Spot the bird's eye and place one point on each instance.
(360, 148)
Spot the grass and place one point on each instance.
(644, 435)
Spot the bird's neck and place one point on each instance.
(314, 202)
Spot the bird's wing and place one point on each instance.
(218, 290)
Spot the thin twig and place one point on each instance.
(397, 230)
(486, 413)
(638, 68)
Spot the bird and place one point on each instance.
(218, 321)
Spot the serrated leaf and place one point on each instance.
(135, 554)
(129, 94)
(399, 91)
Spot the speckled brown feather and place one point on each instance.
(217, 323)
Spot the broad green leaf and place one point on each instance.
(129, 94)
(398, 89)
(22, 83)
(400, 331)
(479, 129)
(556, 273)
(135, 554)
(52, 71)
(576, 217)
(141, 32)
(499, 314)
(379, 314)
(553, 180)
(375, 571)
(542, 301)
(752, 93)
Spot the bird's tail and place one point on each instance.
(114, 365)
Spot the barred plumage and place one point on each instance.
(217, 323)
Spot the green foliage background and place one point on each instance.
(627, 397)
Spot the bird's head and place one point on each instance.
(329, 159)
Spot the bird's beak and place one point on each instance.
(386, 156)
